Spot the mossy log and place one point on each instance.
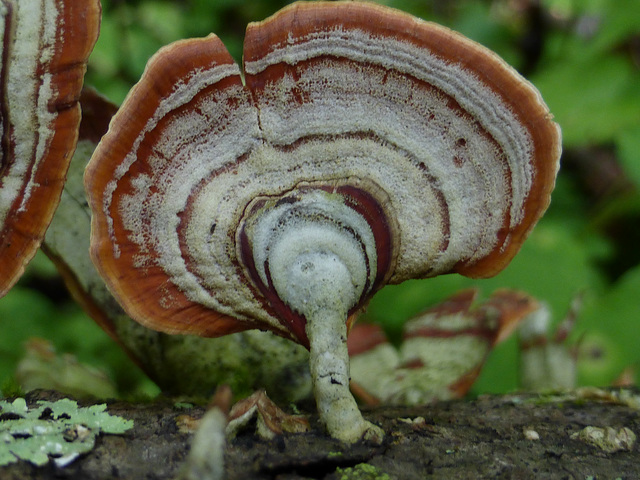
(512, 436)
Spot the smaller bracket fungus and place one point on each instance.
(442, 352)
(364, 147)
(45, 47)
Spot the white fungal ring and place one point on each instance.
(313, 241)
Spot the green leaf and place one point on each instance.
(592, 98)
(609, 327)
(628, 143)
(620, 20)
(165, 20)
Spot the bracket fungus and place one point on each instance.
(358, 147)
(45, 47)
(442, 352)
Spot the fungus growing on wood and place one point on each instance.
(45, 48)
(364, 147)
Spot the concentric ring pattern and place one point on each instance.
(458, 153)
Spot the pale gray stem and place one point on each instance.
(329, 364)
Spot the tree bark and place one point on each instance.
(486, 438)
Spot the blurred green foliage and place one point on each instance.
(584, 56)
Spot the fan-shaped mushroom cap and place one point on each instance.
(45, 48)
(179, 365)
(418, 150)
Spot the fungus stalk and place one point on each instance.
(319, 254)
(329, 365)
(321, 288)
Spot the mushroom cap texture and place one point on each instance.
(44, 55)
(458, 149)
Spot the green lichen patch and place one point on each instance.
(60, 430)
(362, 471)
